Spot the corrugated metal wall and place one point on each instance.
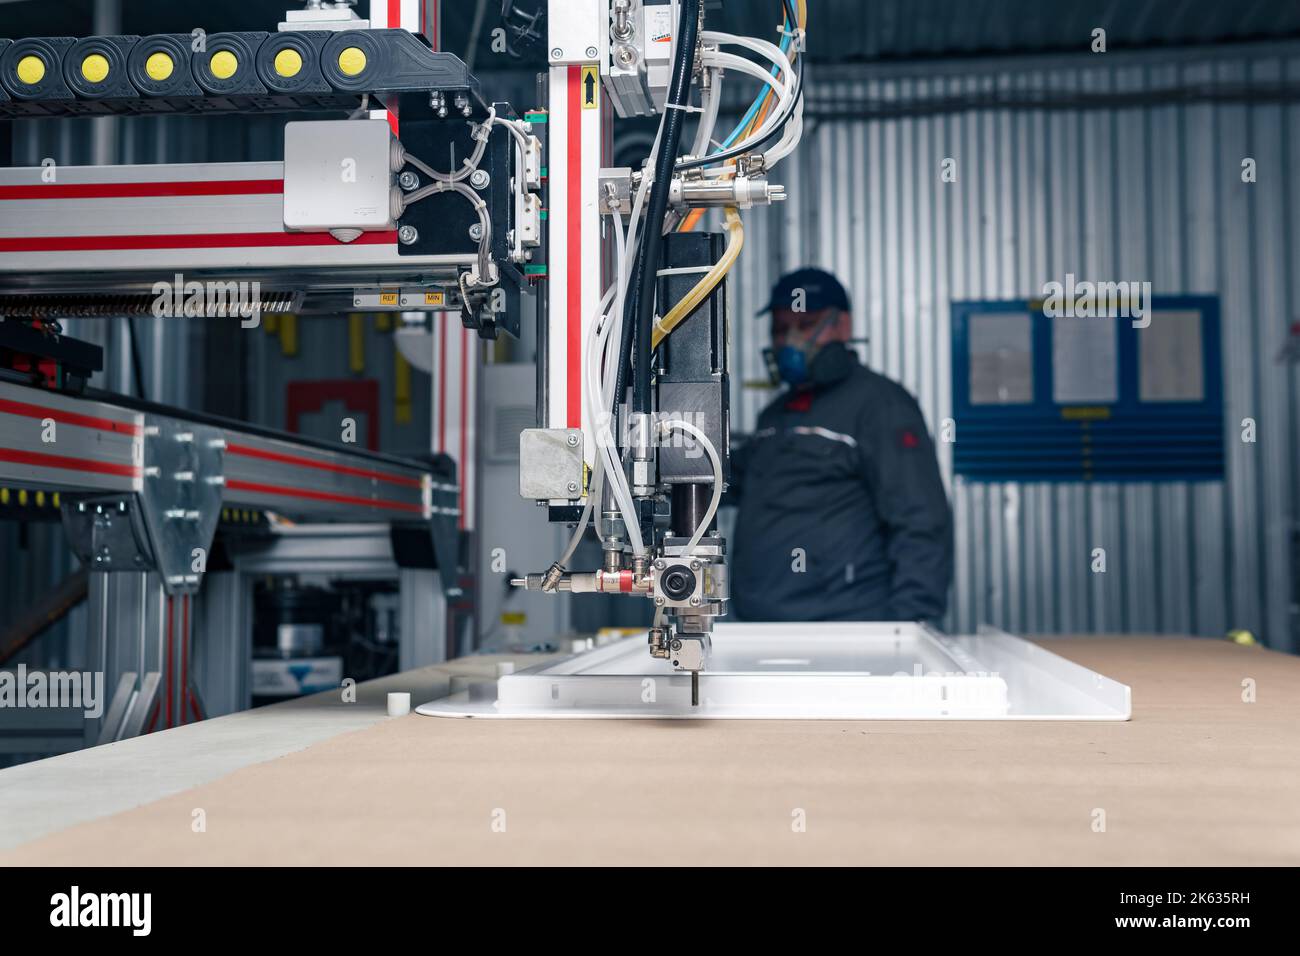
(1105, 166)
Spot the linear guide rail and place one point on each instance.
(75, 444)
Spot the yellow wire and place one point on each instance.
(691, 301)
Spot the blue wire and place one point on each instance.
(758, 100)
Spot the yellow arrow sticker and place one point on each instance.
(589, 87)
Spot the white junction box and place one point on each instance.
(809, 671)
(338, 175)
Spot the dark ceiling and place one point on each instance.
(839, 30)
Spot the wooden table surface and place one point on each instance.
(1198, 776)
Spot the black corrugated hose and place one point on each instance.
(639, 308)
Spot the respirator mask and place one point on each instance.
(795, 364)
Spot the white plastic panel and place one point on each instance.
(838, 671)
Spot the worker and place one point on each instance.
(842, 511)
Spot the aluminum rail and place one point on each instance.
(95, 444)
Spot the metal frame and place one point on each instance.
(809, 671)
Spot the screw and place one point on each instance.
(660, 600)
(572, 486)
(557, 53)
(476, 231)
(677, 645)
(573, 441)
(479, 179)
(625, 56)
(408, 180)
(695, 565)
(661, 564)
(407, 235)
(695, 602)
(592, 52)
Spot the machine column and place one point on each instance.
(575, 139)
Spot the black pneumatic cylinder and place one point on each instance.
(690, 502)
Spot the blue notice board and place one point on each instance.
(1055, 398)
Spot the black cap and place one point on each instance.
(821, 290)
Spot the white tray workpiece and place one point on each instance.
(796, 671)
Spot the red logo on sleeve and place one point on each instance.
(908, 438)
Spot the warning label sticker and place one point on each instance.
(589, 88)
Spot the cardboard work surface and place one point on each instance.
(1198, 776)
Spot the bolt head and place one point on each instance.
(407, 235)
(661, 564)
(479, 179)
(592, 52)
(573, 441)
(572, 486)
(695, 565)
(476, 231)
(408, 180)
(557, 53)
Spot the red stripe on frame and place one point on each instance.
(442, 386)
(298, 460)
(41, 460)
(223, 240)
(68, 418)
(573, 223)
(236, 485)
(185, 655)
(171, 618)
(214, 187)
(394, 23)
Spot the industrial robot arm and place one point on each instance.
(649, 467)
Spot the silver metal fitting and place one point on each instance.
(551, 579)
(660, 647)
(743, 192)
